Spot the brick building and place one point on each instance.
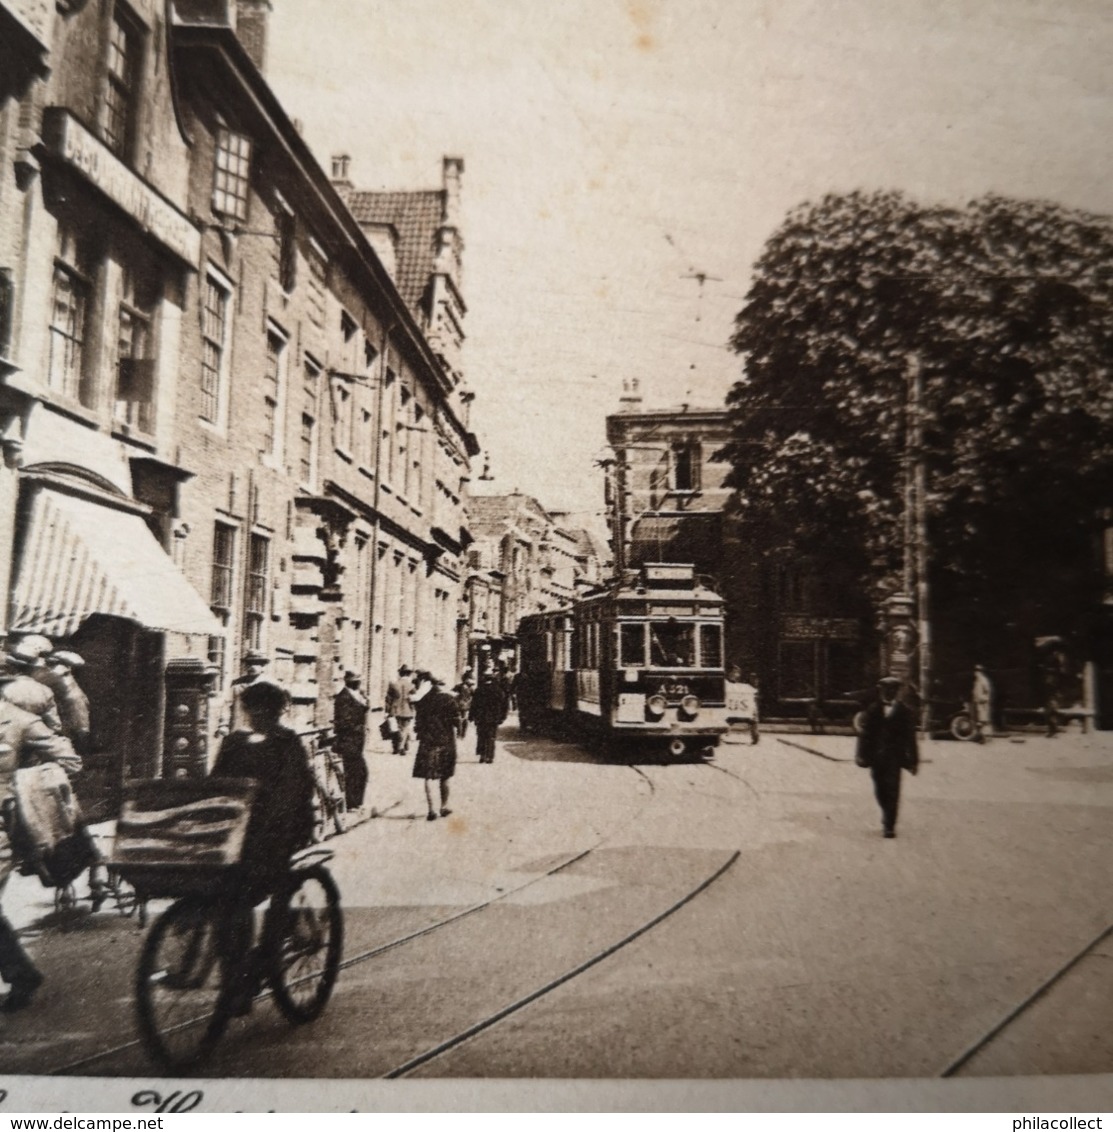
(524, 560)
(797, 624)
(224, 427)
(326, 509)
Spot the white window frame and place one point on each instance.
(213, 277)
(276, 335)
(236, 150)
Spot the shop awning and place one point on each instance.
(693, 537)
(81, 557)
(652, 537)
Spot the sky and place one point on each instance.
(616, 150)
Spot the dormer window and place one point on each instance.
(231, 174)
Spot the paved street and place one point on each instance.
(821, 951)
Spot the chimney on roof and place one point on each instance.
(453, 170)
(252, 17)
(631, 399)
(340, 164)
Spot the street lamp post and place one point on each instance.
(915, 530)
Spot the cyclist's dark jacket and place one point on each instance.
(282, 814)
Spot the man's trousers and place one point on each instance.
(886, 787)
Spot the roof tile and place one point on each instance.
(416, 216)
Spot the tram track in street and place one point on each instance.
(735, 775)
(369, 954)
(812, 751)
(493, 1019)
(955, 1067)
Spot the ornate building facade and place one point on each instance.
(226, 428)
(524, 560)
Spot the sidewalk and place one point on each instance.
(391, 792)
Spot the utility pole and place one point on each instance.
(915, 529)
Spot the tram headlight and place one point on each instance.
(689, 707)
(655, 706)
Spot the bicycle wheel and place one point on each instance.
(321, 814)
(124, 895)
(304, 959)
(180, 985)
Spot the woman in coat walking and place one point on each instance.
(435, 722)
(488, 710)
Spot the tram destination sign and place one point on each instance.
(671, 609)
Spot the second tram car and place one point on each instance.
(643, 660)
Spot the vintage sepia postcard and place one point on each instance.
(556, 557)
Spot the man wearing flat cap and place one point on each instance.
(349, 729)
(887, 745)
(57, 673)
(233, 717)
(19, 683)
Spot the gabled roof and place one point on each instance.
(587, 545)
(415, 217)
(490, 513)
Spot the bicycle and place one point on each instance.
(114, 888)
(330, 811)
(184, 986)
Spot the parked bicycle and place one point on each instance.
(112, 888)
(330, 809)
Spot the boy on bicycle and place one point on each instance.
(281, 820)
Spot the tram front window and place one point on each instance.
(632, 646)
(710, 646)
(671, 645)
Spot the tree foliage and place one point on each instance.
(1008, 306)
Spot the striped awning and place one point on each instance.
(651, 538)
(81, 557)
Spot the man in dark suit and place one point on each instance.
(887, 745)
(349, 727)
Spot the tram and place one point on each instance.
(641, 661)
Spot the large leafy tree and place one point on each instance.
(1007, 308)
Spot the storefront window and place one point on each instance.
(797, 670)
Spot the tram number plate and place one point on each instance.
(674, 689)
